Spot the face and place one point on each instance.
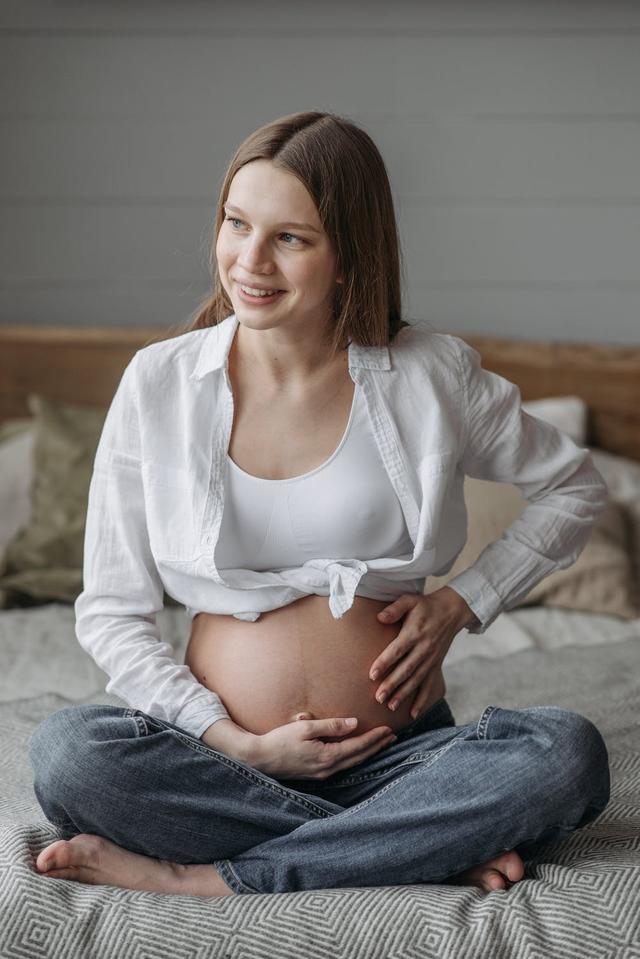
(258, 246)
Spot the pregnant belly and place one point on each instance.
(299, 659)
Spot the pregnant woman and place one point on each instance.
(291, 469)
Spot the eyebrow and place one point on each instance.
(298, 226)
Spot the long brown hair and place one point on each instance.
(345, 174)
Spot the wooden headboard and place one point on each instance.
(83, 366)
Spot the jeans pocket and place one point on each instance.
(148, 725)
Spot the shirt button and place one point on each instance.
(207, 539)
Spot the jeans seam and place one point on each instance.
(441, 706)
(240, 769)
(483, 722)
(423, 765)
(141, 727)
(418, 757)
(247, 773)
(230, 876)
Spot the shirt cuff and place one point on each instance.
(480, 597)
(199, 714)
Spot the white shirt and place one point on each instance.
(156, 501)
(343, 508)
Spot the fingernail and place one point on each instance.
(381, 697)
(394, 704)
(351, 722)
(375, 674)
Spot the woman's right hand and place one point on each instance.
(297, 751)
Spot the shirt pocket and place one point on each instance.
(171, 509)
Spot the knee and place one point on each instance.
(52, 746)
(51, 739)
(66, 758)
(576, 750)
(60, 741)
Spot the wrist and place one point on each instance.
(466, 616)
(229, 738)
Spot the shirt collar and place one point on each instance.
(217, 343)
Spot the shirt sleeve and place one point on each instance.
(122, 590)
(564, 490)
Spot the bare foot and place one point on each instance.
(96, 860)
(491, 875)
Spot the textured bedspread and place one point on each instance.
(579, 898)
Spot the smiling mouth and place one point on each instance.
(256, 301)
(267, 289)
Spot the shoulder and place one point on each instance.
(417, 347)
(168, 361)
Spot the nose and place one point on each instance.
(253, 258)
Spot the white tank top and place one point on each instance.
(346, 508)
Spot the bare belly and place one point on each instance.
(298, 659)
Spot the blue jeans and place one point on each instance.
(441, 799)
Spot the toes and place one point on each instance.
(57, 874)
(48, 857)
(81, 850)
(492, 879)
(511, 864)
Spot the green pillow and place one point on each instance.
(43, 561)
(14, 427)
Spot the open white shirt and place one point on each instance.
(157, 496)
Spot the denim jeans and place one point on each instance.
(440, 800)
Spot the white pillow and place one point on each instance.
(620, 473)
(566, 413)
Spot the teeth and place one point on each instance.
(255, 292)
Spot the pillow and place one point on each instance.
(16, 447)
(566, 413)
(601, 579)
(606, 576)
(42, 562)
(622, 476)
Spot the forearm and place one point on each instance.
(229, 738)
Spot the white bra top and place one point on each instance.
(344, 508)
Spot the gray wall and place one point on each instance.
(510, 130)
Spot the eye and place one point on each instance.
(298, 238)
(234, 219)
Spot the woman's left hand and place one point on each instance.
(431, 624)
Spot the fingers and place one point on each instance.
(391, 654)
(398, 687)
(350, 752)
(330, 727)
(422, 696)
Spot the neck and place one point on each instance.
(283, 362)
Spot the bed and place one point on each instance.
(574, 642)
